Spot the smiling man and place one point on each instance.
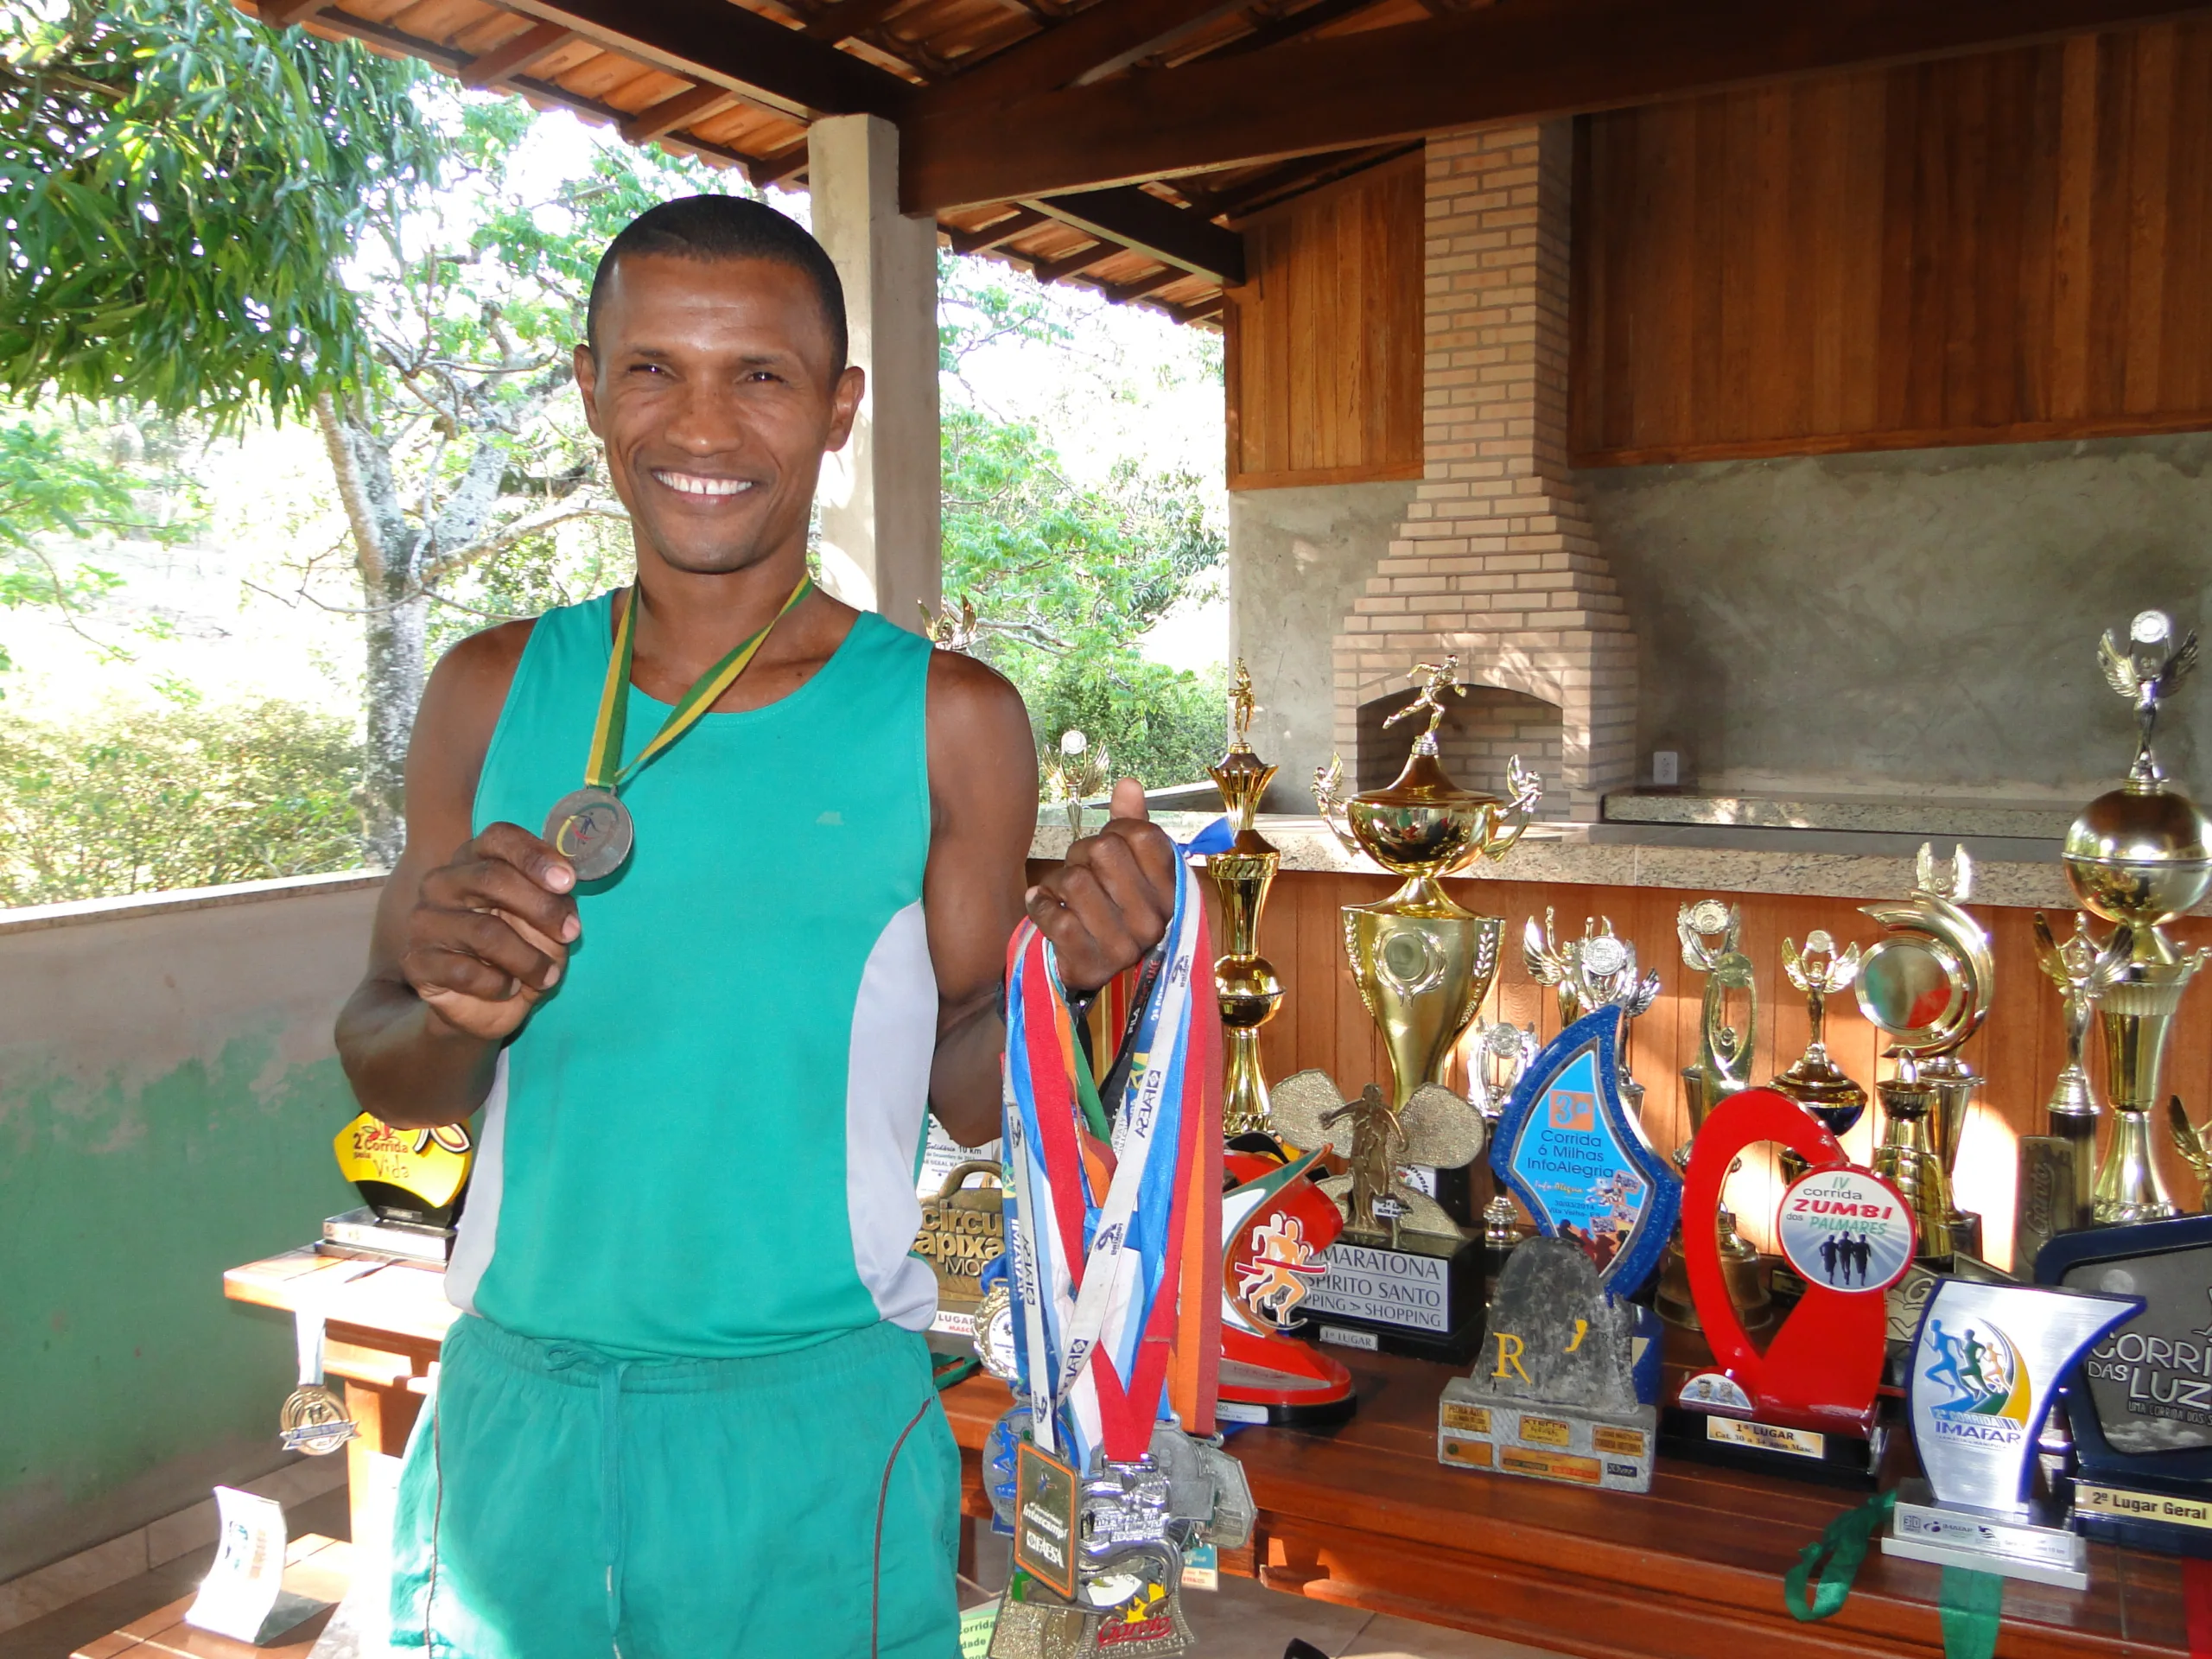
(687, 1409)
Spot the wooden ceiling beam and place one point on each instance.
(693, 103)
(724, 45)
(539, 41)
(1109, 35)
(1305, 173)
(1141, 221)
(1025, 220)
(1532, 60)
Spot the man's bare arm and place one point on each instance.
(470, 933)
(983, 807)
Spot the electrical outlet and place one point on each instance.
(1666, 767)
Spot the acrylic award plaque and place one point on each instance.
(1276, 1228)
(1578, 1162)
(2139, 1402)
(412, 1184)
(1985, 1368)
(1805, 1404)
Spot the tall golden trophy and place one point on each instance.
(1422, 964)
(2077, 969)
(2139, 857)
(1926, 984)
(1244, 981)
(1411, 1281)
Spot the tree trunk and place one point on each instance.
(395, 614)
(393, 688)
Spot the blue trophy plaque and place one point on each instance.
(1985, 1366)
(2140, 1401)
(1578, 1162)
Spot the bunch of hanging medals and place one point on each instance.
(1107, 1469)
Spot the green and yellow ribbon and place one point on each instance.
(606, 770)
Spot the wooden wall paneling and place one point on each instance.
(1324, 380)
(2011, 245)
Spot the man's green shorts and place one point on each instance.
(557, 1503)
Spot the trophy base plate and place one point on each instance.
(1924, 1530)
(2176, 1522)
(1611, 1450)
(362, 1233)
(1425, 1302)
(1261, 1397)
(1819, 1455)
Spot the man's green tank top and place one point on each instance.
(705, 1142)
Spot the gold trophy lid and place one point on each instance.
(1422, 822)
(2142, 853)
(1241, 775)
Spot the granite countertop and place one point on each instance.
(2009, 870)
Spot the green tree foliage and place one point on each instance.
(147, 800)
(178, 184)
(1067, 578)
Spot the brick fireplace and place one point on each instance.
(1495, 559)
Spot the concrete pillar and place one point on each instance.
(881, 538)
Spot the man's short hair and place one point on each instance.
(726, 227)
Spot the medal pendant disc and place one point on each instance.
(314, 1421)
(593, 830)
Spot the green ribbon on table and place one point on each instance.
(1973, 1603)
(1834, 1557)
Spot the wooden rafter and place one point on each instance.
(724, 45)
(1109, 37)
(1141, 221)
(1053, 271)
(1277, 30)
(539, 41)
(693, 103)
(1024, 221)
(454, 61)
(1534, 59)
(847, 18)
(1309, 173)
(785, 163)
(284, 14)
(1128, 293)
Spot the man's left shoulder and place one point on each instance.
(965, 693)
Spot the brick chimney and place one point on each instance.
(1496, 559)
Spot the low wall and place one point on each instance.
(169, 1094)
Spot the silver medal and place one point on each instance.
(593, 830)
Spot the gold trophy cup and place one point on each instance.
(2139, 857)
(1422, 964)
(1244, 981)
(1926, 985)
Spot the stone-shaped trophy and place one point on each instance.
(412, 1183)
(1985, 1368)
(1804, 1404)
(1565, 1386)
(1577, 1159)
(2140, 1403)
(1276, 1228)
(1402, 1277)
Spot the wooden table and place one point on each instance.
(1364, 1515)
(315, 1566)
